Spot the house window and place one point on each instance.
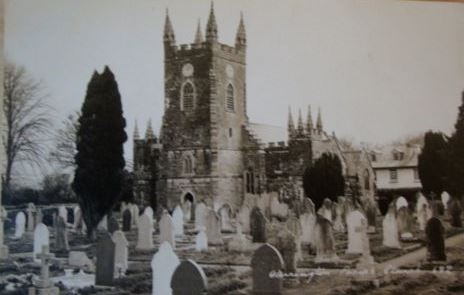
(188, 97)
(188, 165)
(373, 157)
(230, 132)
(416, 174)
(393, 175)
(230, 98)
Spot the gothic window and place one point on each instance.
(250, 182)
(367, 183)
(230, 104)
(188, 97)
(188, 165)
(393, 175)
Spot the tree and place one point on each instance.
(432, 165)
(324, 179)
(99, 174)
(27, 118)
(455, 175)
(65, 142)
(56, 188)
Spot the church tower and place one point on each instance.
(205, 111)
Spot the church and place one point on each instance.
(208, 150)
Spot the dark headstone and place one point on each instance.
(113, 225)
(455, 211)
(126, 220)
(265, 260)
(435, 241)
(258, 226)
(189, 279)
(104, 273)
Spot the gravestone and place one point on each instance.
(421, 200)
(149, 211)
(187, 210)
(338, 224)
(201, 240)
(258, 226)
(41, 238)
(238, 242)
(307, 206)
(423, 215)
(371, 215)
(278, 209)
(163, 265)
(178, 220)
(145, 233)
(391, 236)
(78, 219)
(63, 212)
(31, 210)
(213, 228)
(113, 224)
(103, 225)
(126, 220)
(20, 224)
(81, 260)
(294, 226)
(243, 218)
(401, 202)
(225, 214)
(308, 222)
(324, 240)
(166, 227)
(38, 216)
(326, 209)
(455, 212)
(266, 260)
(43, 285)
(189, 279)
(135, 214)
(366, 262)
(104, 274)
(445, 198)
(287, 246)
(404, 220)
(61, 236)
(355, 235)
(120, 253)
(200, 216)
(435, 240)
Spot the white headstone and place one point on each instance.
(63, 212)
(178, 219)
(225, 213)
(308, 223)
(149, 212)
(166, 226)
(145, 233)
(243, 218)
(200, 216)
(135, 214)
(338, 222)
(445, 197)
(121, 253)
(278, 208)
(103, 225)
(423, 211)
(20, 222)
(41, 238)
(355, 235)
(401, 202)
(391, 236)
(201, 240)
(163, 265)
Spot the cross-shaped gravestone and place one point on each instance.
(45, 257)
(367, 261)
(365, 240)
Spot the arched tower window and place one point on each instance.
(230, 103)
(188, 97)
(188, 165)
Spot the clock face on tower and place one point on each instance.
(187, 70)
(230, 71)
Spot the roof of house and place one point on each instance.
(385, 158)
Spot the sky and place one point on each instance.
(379, 70)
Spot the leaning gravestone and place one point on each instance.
(324, 240)
(20, 224)
(41, 238)
(200, 216)
(391, 236)
(243, 218)
(104, 274)
(258, 226)
(166, 227)
(455, 211)
(126, 220)
(145, 233)
(435, 240)
(213, 228)
(113, 224)
(189, 279)
(163, 265)
(266, 260)
(178, 220)
(61, 236)
(120, 253)
(201, 241)
(355, 235)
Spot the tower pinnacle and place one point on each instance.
(149, 134)
(319, 121)
(168, 37)
(240, 37)
(136, 131)
(290, 124)
(300, 127)
(309, 122)
(199, 35)
(211, 27)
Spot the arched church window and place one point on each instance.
(230, 103)
(188, 97)
(188, 165)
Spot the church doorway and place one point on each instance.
(188, 206)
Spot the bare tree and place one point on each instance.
(65, 142)
(28, 121)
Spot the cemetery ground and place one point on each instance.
(229, 271)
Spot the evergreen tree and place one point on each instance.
(324, 179)
(432, 165)
(99, 175)
(455, 175)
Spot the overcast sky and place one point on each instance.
(379, 70)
